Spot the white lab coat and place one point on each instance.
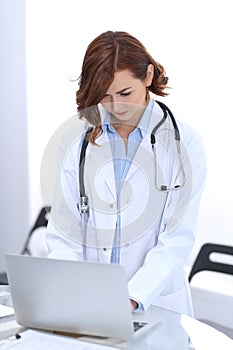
(158, 228)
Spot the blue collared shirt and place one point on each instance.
(122, 159)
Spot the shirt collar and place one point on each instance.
(142, 125)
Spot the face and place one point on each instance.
(125, 98)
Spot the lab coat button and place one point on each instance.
(127, 245)
(104, 249)
(111, 205)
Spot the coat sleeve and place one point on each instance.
(177, 232)
(64, 233)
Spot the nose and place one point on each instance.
(116, 103)
(113, 103)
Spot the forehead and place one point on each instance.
(122, 79)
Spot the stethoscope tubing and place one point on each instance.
(83, 204)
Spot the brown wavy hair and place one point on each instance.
(108, 53)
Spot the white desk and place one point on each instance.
(171, 332)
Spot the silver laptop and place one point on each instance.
(69, 296)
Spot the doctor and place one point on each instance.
(143, 198)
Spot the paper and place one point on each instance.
(205, 337)
(6, 310)
(39, 340)
(7, 329)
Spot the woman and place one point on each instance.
(142, 198)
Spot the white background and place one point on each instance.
(191, 39)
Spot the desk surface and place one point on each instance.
(172, 331)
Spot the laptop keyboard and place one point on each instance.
(138, 325)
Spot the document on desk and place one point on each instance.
(39, 340)
(6, 310)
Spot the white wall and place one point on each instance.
(192, 39)
(14, 198)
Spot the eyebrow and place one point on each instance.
(120, 92)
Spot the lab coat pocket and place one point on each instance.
(177, 301)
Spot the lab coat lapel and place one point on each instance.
(101, 157)
(142, 156)
(144, 152)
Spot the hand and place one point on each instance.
(133, 304)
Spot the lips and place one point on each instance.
(120, 113)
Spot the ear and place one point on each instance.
(149, 75)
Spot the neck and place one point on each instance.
(123, 129)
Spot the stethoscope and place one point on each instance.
(83, 206)
(166, 112)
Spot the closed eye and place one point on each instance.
(125, 93)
